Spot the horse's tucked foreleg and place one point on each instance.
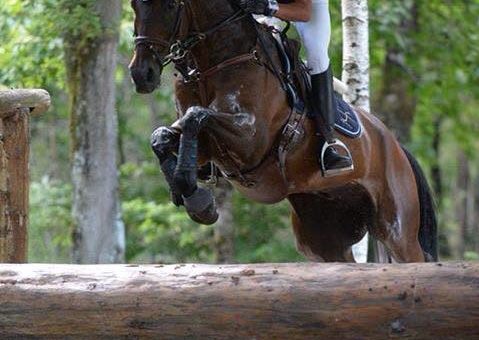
(199, 202)
(164, 142)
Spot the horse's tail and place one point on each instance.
(428, 222)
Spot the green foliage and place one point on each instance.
(263, 233)
(448, 69)
(471, 256)
(33, 33)
(156, 229)
(164, 233)
(50, 221)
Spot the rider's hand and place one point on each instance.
(263, 7)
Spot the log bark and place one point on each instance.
(15, 109)
(263, 301)
(11, 100)
(14, 151)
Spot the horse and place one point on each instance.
(232, 110)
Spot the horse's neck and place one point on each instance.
(235, 39)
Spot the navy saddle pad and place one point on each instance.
(347, 120)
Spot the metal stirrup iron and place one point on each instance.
(332, 172)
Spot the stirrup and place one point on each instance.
(334, 172)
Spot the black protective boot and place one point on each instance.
(324, 104)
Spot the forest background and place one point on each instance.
(424, 85)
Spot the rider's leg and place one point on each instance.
(316, 35)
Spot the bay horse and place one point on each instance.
(231, 112)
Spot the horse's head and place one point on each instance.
(157, 24)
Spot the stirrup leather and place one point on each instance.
(333, 172)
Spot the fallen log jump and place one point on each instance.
(264, 301)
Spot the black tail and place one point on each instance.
(428, 226)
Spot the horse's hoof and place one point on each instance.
(207, 217)
(201, 206)
(177, 199)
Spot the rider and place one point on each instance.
(313, 23)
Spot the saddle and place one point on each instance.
(297, 83)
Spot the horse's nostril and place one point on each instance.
(150, 75)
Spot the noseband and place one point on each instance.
(180, 48)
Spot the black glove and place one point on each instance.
(262, 7)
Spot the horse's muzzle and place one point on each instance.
(146, 79)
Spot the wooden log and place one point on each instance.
(15, 109)
(14, 186)
(38, 101)
(263, 301)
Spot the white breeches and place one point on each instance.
(316, 35)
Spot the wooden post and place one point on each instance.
(262, 301)
(15, 109)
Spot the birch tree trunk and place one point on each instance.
(356, 72)
(356, 52)
(98, 229)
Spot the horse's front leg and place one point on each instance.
(199, 202)
(165, 142)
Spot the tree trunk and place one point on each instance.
(471, 220)
(462, 184)
(476, 214)
(356, 52)
(396, 103)
(263, 301)
(435, 168)
(99, 230)
(356, 72)
(224, 227)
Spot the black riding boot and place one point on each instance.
(324, 104)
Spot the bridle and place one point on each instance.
(179, 52)
(179, 48)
